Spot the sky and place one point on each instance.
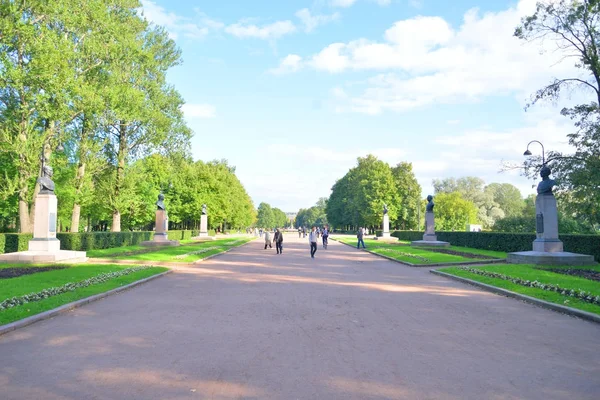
(292, 92)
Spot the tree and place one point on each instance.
(409, 193)
(313, 216)
(454, 212)
(573, 26)
(265, 218)
(507, 197)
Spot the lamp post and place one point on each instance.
(528, 153)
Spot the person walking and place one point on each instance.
(325, 236)
(360, 235)
(268, 239)
(312, 238)
(278, 239)
(303, 232)
(299, 232)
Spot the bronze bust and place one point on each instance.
(431, 204)
(45, 181)
(203, 209)
(160, 203)
(546, 185)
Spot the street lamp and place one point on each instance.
(528, 153)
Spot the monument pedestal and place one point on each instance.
(161, 237)
(385, 236)
(203, 235)
(547, 247)
(429, 238)
(44, 247)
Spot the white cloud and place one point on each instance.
(424, 61)
(199, 110)
(349, 3)
(271, 31)
(289, 64)
(311, 22)
(453, 122)
(176, 25)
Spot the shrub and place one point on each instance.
(12, 242)
(508, 242)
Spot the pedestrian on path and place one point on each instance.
(325, 237)
(278, 239)
(299, 232)
(268, 239)
(360, 238)
(312, 238)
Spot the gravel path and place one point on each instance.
(251, 324)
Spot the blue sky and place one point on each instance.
(292, 92)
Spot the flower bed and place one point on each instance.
(67, 287)
(579, 294)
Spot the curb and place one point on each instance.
(449, 264)
(75, 304)
(541, 303)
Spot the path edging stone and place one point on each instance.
(75, 304)
(449, 264)
(538, 302)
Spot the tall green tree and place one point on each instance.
(453, 212)
(573, 26)
(508, 198)
(409, 193)
(265, 218)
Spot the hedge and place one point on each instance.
(508, 242)
(83, 241)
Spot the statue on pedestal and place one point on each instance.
(385, 209)
(431, 204)
(546, 185)
(45, 181)
(203, 209)
(160, 204)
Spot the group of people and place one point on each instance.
(277, 240)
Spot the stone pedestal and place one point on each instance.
(44, 247)
(429, 238)
(385, 236)
(203, 235)
(161, 229)
(547, 247)
(546, 224)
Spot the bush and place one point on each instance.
(83, 241)
(508, 242)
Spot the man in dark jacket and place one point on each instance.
(278, 239)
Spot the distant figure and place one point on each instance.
(278, 241)
(431, 204)
(160, 203)
(268, 240)
(546, 185)
(303, 232)
(385, 209)
(313, 237)
(299, 232)
(325, 237)
(260, 232)
(203, 209)
(360, 235)
(256, 232)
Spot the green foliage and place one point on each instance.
(574, 27)
(358, 198)
(313, 216)
(265, 218)
(526, 224)
(409, 193)
(453, 212)
(12, 242)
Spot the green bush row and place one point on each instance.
(83, 241)
(508, 242)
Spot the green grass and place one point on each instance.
(169, 254)
(392, 250)
(36, 282)
(116, 251)
(531, 273)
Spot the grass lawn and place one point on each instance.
(116, 251)
(185, 254)
(418, 255)
(27, 284)
(541, 274)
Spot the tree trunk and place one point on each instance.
(24, 221)
(121, 157)
(75, 217)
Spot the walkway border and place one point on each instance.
(75, 304)
(449, 264)
(541, 303)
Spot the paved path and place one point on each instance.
(346, 325)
